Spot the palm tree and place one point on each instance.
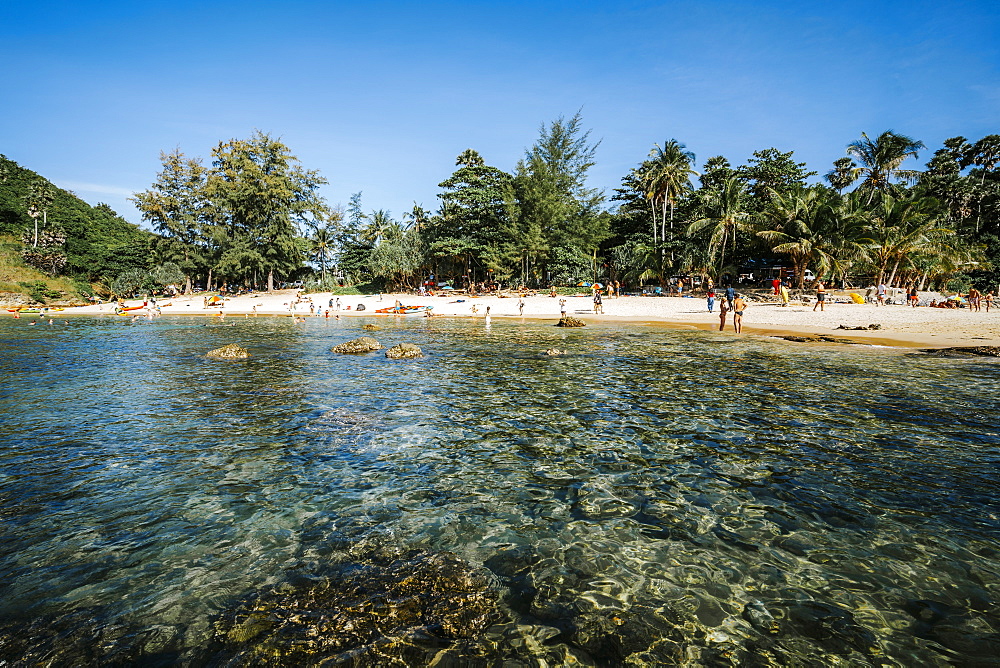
(418, 217)
(725, 214)
(900, 229)
(808, 226)
(322, 245)
(666, 176)
(843, 174)
(379, 224)
(880, 160)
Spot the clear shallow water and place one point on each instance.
(717, 499)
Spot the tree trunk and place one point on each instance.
(208, 282)
(270, 280)
(892, 276)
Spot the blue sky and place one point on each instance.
(381, 96)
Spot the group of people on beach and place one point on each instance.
(732, 301)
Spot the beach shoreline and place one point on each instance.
(900, 326)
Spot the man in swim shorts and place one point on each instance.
(738, 307)
(820, 296)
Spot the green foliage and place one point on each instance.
(39, 290)
(131, 282)
(95, 237)
(166, 274)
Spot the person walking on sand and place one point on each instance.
(730, 296)
(776, 284)
(562, 308)
(988, 300)
(680, 287)
(880, 297)
(520, 306)
(820, 296)
(738, 307)
(914, 297)
(598, 304)
(723, 310)
(711, 299)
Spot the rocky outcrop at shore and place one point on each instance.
(229, 352)
(570, 321)
(862, 328)
(403, 351)
(364, 344)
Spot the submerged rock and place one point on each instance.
(976, 351)
(229, 352)
(554, 352)
(402, 351)
(385, 610)
(371, 328)
(570, 321)
(364, 344)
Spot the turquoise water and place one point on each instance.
(720, 499)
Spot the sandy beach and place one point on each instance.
(900, 325)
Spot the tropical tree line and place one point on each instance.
(872, 221)
(253, 217)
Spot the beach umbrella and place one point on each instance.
(598, 285)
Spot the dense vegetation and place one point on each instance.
(254, 217)
(56, 233)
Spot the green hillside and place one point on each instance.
(91, 244)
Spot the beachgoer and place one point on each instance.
(552, 291)
(784, 295)
(914, 297)
(520, 306)
(488, 319)
(680, 287)
(723, 310)
(820, 296)
(730, 295)
(738, 307)
(988, 299)
(776, 284)
(711, 299)
(880, 297)
(331, 302)
(974, 295)
(562, 307)
(337, 305)
(711, 283)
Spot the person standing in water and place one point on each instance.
(723, 310)
(738, 307)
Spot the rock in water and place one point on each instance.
(552, 352)
(371, 328)
(570, 321)
(403, 351)
(364, 344)
(230, 352)
(979, 351)
(400, 610)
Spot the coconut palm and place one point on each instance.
(899, 230)
(322, 247)
(809, 226)
(667, 175)
(843, 174)
(725, 214)
(880, 160)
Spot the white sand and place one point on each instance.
(901, 325)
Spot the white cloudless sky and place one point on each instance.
(380, 97)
